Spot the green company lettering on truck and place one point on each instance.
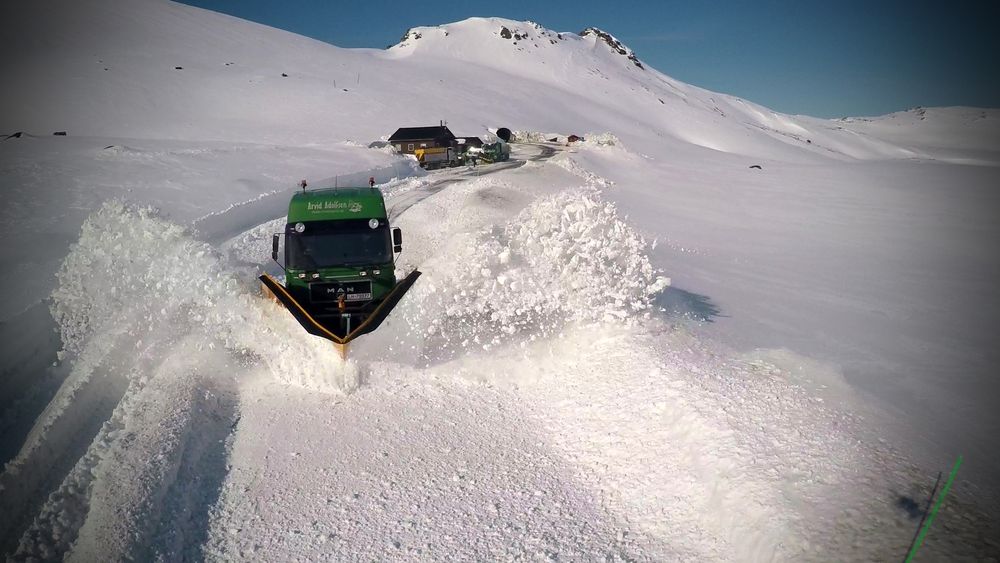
(340, 279)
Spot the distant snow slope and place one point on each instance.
(824, 348)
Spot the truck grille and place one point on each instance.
(330, 292)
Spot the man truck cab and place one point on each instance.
(339, 260)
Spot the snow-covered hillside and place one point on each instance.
(823, 349)
(231, 86)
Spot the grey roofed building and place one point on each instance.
(471, 141)
(409, 139)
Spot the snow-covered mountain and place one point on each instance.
(824, 348)
(207, 76)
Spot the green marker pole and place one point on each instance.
(937, 505)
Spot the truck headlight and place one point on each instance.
(300, 227)
(373, 223)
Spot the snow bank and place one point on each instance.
(526, 136)
(604, 139)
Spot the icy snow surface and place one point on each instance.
(632, 348)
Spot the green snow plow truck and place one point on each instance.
(340, 252)
(497, 151)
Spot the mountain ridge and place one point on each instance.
(155, 67)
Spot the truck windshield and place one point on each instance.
(346, 247)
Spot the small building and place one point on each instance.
(466, 142)
(408, 139)
(573, 139)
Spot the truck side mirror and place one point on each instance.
(397, 240)
(274, 247)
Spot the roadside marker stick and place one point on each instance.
(927, 510)
(937, 505)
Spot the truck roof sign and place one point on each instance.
(336, 203)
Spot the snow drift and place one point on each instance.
(547, 267)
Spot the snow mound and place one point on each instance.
(605, 139)
(568, 258)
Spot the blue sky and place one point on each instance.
(828, 59)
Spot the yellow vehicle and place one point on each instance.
(436, 157)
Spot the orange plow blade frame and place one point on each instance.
(316, 328)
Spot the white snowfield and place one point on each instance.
(636, 347)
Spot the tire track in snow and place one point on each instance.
(27, 487)
(157, 478)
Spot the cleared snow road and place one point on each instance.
(520, 154)
(220, 226)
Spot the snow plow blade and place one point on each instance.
(329, 332)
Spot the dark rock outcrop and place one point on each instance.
(615, 45)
